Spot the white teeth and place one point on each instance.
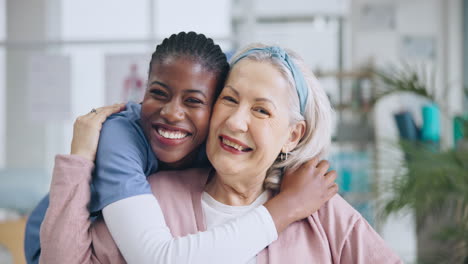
(232, 144)
(171, 134)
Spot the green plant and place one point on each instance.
(407, 78)
(433, 182)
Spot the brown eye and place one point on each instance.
(158, 93)
(194, 101)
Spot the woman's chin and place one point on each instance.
(169, 159)
(226, 168)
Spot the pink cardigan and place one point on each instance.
(334, 234)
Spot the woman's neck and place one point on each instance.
(235, 194)
(185, 163)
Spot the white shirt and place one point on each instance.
(217, 214)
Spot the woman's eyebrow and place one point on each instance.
(259, 99)
(262, 99)
(186, 91)
(233, 90)
(161, 84)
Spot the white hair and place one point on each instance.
(317, 115)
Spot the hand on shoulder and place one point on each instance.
(303, 191)
(309, 187)
(87, 128)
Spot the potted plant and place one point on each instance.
(435, 187)
(434, 183)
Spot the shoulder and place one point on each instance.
(123, 150)
(351, 238)
(338, 208)
(125, 123)
(122, 133)
(322, 235)
(338, 217)
(132, 112)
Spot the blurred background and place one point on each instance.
(395, 71)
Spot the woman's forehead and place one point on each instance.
(258, 77)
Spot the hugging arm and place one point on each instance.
(65, 232)
(138, 227)
(139, 230)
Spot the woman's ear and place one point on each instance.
(296, 133)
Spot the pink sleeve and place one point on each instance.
(363, 245)
(65, 233)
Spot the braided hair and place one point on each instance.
(196, 47)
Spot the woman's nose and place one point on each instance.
(172, 112)
(238, 121)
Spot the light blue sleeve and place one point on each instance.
(123, 161)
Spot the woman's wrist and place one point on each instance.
(282, 211)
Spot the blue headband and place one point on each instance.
(301, 85)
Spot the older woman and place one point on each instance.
(271, 115)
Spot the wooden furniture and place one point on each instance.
(12, 237)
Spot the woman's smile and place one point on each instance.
(170, 135)
(233, 145)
